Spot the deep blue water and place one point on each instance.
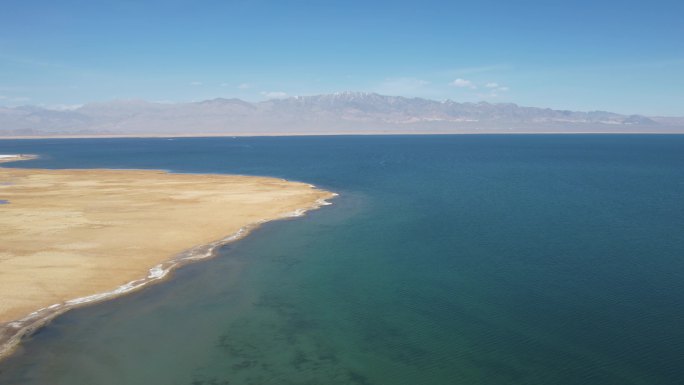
(527, 259)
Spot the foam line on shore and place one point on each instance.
(7, 158)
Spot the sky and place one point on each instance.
(622, 56)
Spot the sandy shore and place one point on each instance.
(76, 236)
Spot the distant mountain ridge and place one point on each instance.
(346, 112)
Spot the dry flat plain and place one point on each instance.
(67, 234)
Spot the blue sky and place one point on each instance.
(623, 56)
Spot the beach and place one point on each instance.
(76, 236)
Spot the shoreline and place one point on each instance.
(673, 130)
(13, 332)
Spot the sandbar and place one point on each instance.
(74, 236)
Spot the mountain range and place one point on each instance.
(344, 113)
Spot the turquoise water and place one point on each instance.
(525, 259)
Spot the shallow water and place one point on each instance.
(525, 259)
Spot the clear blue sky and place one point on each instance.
(623, 56)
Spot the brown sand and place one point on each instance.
(68, 234)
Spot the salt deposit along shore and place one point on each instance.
(5, 158)
(70, 237)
